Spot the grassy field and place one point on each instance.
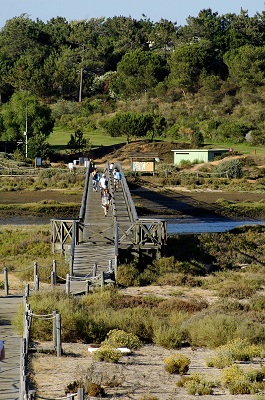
(98, 138)
(59, 138)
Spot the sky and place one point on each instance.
(172, 10)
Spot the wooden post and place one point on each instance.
(94, 272)
(36, 283)
(23, 368)
(31, 395)
(67, 284)
(6, 280)
(35, 270)
(27, 291)
(59, 334)
(87, 287)
(110, 266)
(102, 279)
(81, 394)
(53, 278)
(54, 333)
(54, 272)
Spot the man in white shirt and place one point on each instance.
(103, 183)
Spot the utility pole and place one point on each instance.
(81, 85)
(26, 131)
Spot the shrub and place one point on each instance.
(196, 384)
(107, 353)
(176, 304)
(211, 330)
(238, 349)
(258, 304)
(95, 390)
(239, 382)
(230, 168)
(120, 338)
(127, 275)
(177, 364)
(239, 289)
(179, 279)
(168, 336)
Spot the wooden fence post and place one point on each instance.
(54, 272)
(31, 395)
(36, 283)
(27, 291)
(81, 394)
(6, 280)
(94, 272)
(102, 279)
(35, 270)
(52, 278)
(67, 284)
(54, 332)
(59, 334)
(110, 266)
(23, 368)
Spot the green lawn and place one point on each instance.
(59, 138)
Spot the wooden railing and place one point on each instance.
(138, 233)
(127, 196)
(84, 198)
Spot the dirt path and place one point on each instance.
(135, 376)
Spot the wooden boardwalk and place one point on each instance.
(97, 244)
(10, 367)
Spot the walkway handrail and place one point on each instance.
(84, 198)
(127, 195)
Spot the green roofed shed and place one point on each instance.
(201, 155)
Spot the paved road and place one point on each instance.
(10, 367)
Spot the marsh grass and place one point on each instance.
(21, 247)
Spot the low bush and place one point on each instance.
(242, 382)
(127, 275)
(239, 289)
(236, 350)
(95, 390)
(177, 364)
(211, 330)
(178, 279)
(176, 304)
(197, 384)
(107, 353)
(258, 303)
(168, 336)
(120, 338)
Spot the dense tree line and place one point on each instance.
(205, 79)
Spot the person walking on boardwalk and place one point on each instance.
(95, 180)
(103, 183)
(106, 201)
(117, 178)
